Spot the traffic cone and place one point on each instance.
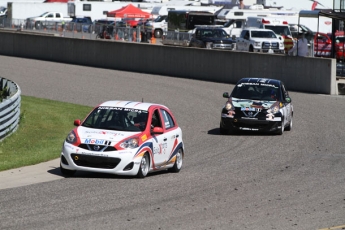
(153, 40)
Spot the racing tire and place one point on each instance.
(66, 172)
(222, 131)
(289, 127)
(144, 166)
(158, 33)
(281, 130)
(251, 49)
(178, 163)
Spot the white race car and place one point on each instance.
(124, 138)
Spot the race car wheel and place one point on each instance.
(225, 131)
(66, 172)
(222, 130)
(288, 128)
(281, 130)
(178, 163)
(251, 49)
(144, 166)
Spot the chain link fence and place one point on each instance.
(82, 31)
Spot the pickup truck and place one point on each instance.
(47, 20)
(259, 40)
(323, 45)
(211, 37)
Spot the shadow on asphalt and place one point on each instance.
(82, 174)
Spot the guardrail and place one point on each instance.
(9, 108)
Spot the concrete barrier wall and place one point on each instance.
(313, 75)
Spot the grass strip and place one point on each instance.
(44, 125)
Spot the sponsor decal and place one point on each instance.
(104, 132)
(94, 141)
(143, 137)
(95, 154)
(68, 146)
(251, 129)
(160, 149)
(248, 118)
(247, 109)
(124, 152)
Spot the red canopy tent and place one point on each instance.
(128, 11)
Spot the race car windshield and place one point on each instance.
(117, 118)
(263, 92)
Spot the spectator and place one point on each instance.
(241, 4)
(301, 46)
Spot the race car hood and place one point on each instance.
(253, 109)
(247, 103)
(99, 136)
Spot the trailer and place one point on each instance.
(18, 11)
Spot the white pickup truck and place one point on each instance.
(46, 20)
(259, 40)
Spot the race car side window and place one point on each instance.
(168, 121)
(285, 93)
(156, 120)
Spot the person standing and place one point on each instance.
(241, 4)
(300, 47)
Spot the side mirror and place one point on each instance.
(77, 122)
(157, 130)
(288, 99)
(226, 95)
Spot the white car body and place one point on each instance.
(102, 151)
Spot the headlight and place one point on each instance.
(130, 143)
(257, 43)
(228, 106)
(71, 137)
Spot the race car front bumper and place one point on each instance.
(246, 124)
(114, 162)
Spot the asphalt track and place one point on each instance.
(246, 181)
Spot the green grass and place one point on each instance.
(44, 125)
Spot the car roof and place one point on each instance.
(260, 80)
(130, 104)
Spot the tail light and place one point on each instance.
(265, 21)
